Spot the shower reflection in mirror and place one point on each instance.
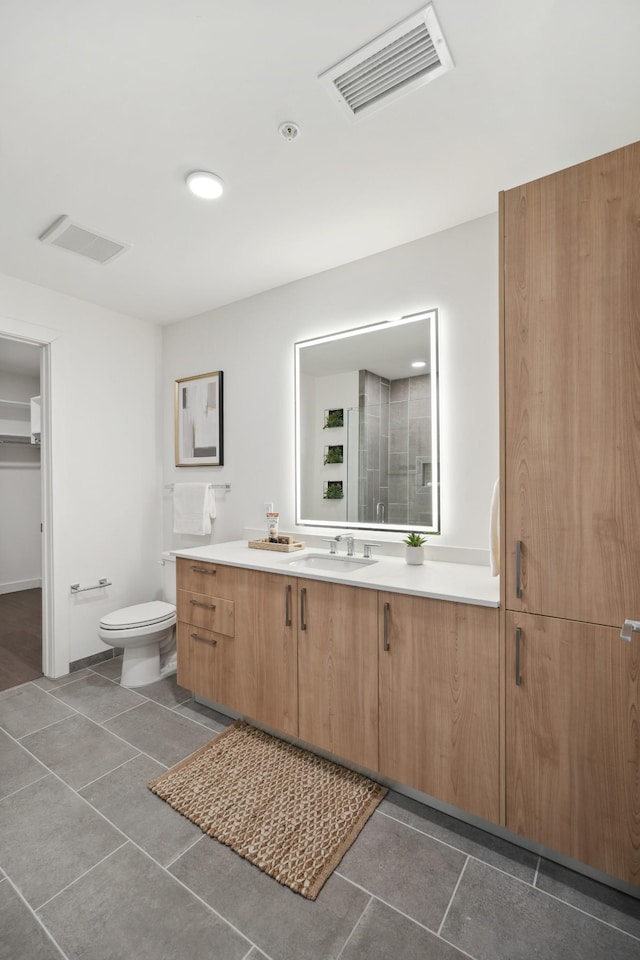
(383, 378)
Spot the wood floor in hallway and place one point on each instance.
(20, 637)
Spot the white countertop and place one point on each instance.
(458, 582)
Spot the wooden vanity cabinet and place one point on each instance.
(439, 681)
(338, 671)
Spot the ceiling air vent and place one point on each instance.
(405, 57)
(70, 236)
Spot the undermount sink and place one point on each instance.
(328, 561)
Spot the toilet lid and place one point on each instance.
(141, 615)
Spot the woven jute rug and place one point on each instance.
(292, 814)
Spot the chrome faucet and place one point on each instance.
(351, 543)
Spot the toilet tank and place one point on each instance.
(168, 577)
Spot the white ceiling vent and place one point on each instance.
(70, 236)
(405, 57)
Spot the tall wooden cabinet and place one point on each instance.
(570, 308)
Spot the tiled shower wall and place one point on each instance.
(395, 449)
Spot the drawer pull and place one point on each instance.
(211, 573)
(210, 640)
(199, 603)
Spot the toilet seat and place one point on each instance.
(156, 613)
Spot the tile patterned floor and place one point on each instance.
(93, 866)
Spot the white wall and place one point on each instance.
(104, 450)
(252, 342)
(20, 553)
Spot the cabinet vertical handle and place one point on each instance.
(385, 634)
(287, 606)
(518, 639)
(303, 608)
(518, 569)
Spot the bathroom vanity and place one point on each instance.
(392, 668)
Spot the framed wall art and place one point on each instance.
(198, 420)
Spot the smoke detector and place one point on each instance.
(412, 53)
(71, 236)
(289, 130)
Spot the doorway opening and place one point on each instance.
(21, 499)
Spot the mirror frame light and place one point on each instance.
(432, 315)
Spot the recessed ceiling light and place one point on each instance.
(205, 185)
(419, 363)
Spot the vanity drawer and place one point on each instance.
(206, 663)
(211, 579)
(203, 610)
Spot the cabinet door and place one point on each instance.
(269, 674)
(572, 391)
(439, 700)
(573, 741)
(338, 670)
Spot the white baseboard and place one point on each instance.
(20, 585)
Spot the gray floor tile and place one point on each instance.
(23, 937)
(78, 750)
(210, 718)
(48, 684)
(167, 692)
(484, 846)
(603, 902)
(161, 733)
(382, 934)
(282, 923)
(495, 917)
(17, 767)
(49, 836)
(28, 708)
(110, 669)
(124, 798)
(97, 697)
(96, 919)
(405, 868)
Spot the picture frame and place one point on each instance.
(198, 420)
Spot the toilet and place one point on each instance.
(146, 632)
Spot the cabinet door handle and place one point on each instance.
(518, 639)
(385, 629)
(287, 606)
(211, 573)
(518, 569)
(199, 603)
(210, 640)
(303, 608)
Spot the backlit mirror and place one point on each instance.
(367, 427)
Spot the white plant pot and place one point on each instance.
(414, 554)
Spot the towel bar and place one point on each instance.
(103, 582)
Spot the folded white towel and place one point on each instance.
(494, 531)
(194, 506)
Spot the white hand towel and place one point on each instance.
(494, 531)
(193, 507)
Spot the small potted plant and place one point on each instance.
(414, 552)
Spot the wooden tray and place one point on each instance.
(287, 547)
